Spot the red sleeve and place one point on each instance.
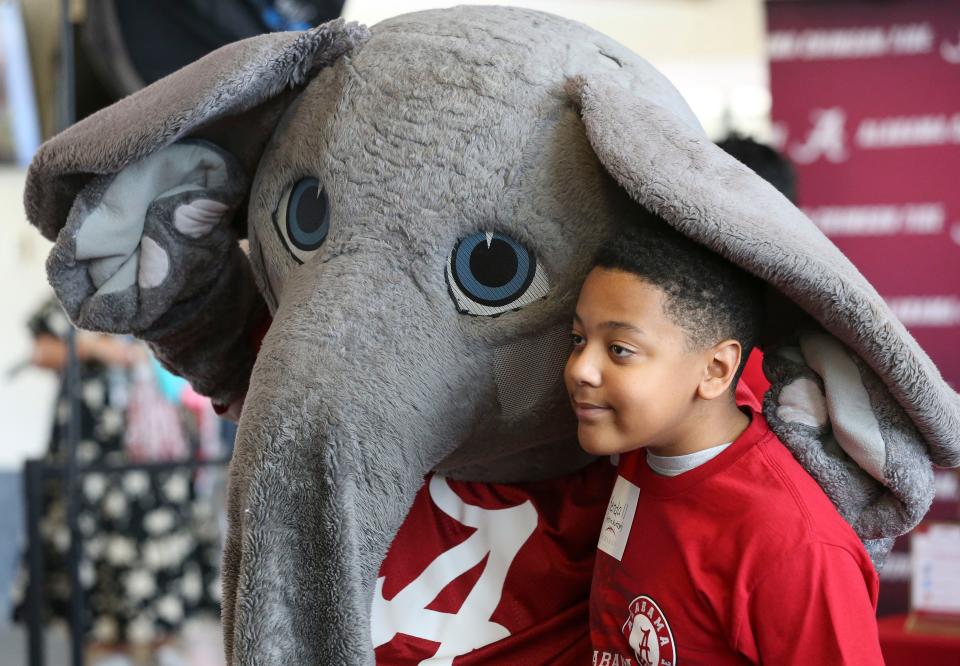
(256, 341)
(817, 606)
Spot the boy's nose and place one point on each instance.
(582, 369)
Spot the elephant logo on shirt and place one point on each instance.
(649, 634)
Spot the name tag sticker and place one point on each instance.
(619, 518)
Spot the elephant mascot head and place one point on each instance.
(421, 202)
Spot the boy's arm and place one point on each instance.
(817, 606)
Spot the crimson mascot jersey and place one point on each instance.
(485, 573)
(741, 560)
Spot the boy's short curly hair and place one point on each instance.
(706, 296)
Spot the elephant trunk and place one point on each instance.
(315, 500)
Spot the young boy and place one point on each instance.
(717, 547)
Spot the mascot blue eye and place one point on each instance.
(302, 218)
(307, 215)
(490, 273)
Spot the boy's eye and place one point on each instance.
(619, 351)
(576, 339)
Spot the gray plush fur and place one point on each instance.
(182, 317)
(226, 83)
(877, 510)
(714, 199)
(440, 125)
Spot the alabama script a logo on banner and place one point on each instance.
(866, 103)
(825, 139)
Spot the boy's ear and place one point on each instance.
(721, 363)
(881, 477)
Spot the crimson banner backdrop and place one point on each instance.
(866, 104)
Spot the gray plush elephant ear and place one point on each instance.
(853, 396)
(146, 200)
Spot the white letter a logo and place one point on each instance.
(500, 535)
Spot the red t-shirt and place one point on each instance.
(741, 560)
(485, 573)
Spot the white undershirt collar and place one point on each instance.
(676, 465)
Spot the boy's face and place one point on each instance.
(631, 377)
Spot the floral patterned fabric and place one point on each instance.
(150, 544)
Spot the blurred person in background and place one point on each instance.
(150, 551)
(764, 161)
(151, 548)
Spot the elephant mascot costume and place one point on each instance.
(421, 202)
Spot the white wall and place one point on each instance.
(26, 401)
